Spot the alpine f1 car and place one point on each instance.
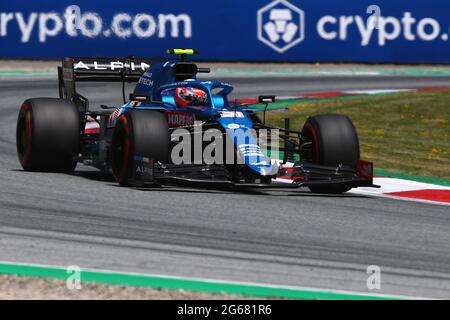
(137, 141)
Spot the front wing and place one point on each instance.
(300, 174)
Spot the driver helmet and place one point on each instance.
(186, 96)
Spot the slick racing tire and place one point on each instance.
(48, 135)
(143, 133)
(334, 141)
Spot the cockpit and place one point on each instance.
(196, 93)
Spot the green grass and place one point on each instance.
(405, 132)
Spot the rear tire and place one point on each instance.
(48, 135)
(334, 142)
(143, 133)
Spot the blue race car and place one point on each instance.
(177, 129)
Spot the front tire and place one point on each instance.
(143, 133)
(47, 135)
(334, 142)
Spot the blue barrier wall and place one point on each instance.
(413, 31)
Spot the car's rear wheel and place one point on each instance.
(143, 133)
(47, 135)
(334, 141)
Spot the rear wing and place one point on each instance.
(79, 69)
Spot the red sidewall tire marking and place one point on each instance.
(316, 142)
(124, 171)
(26, 110)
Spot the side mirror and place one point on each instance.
(266, 99)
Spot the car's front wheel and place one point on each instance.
(334, 141)
(138, 133)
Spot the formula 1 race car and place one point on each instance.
(161, 133)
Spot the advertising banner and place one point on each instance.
(414, 31)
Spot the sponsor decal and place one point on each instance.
(144, 169)
(381, 29)
(112, 65)
(133, 104)
(233, 126)
(250, 150)
(91, 25)
(281, 25)
(231, 114)
(146, 80)
(261, 163)
(180, 119)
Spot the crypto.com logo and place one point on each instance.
(281, 25)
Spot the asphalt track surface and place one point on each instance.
(292, 238)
